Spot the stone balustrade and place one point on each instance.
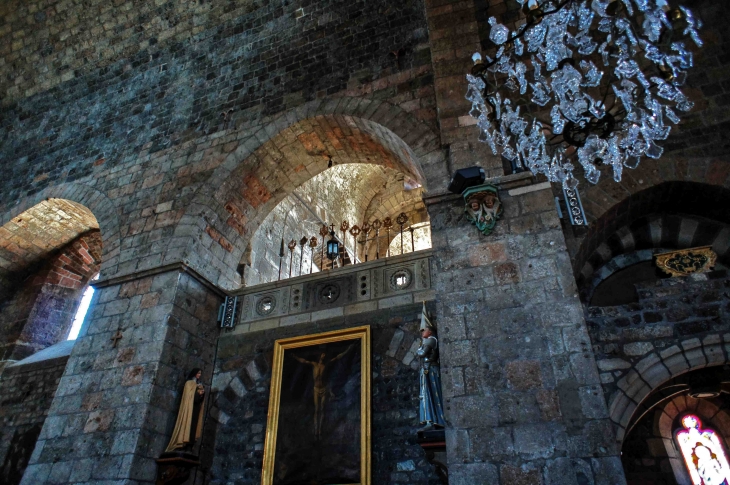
(374, 285)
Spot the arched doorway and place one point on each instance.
(49, 252)
(657, 337)
(651, 452)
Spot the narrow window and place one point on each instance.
(703, 453)
(82, 310)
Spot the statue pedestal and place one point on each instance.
(174, 467)
(433, 443)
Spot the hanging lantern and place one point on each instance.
(333, 246)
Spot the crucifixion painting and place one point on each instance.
(319, 410)
(321, 390)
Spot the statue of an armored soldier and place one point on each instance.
(431, 405)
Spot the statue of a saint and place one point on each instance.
(483, 207)
(431, 405)
(321, 389)
(189, 425)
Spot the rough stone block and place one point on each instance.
(366, 306)
(473, 411)
(549, 404)
(566, 471)
(265, 324)
(35, 474)
(714, 353)
(638, 348)
(395, 301)
(524, 475)
(608, 365)
(494, 442)
(674, 360)
(534, 441)
(326, 314)
(295, 319)
(584, 369)
(592, 402)
(655, 375)
(237, 387)
(608, 471)
(457, 445)
(523, 374)
(695, 358)
(473, 474)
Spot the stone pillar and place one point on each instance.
(522, 394)
(454, 36)
(115, 406)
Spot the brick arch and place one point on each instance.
(601, 199)
(265, 167)
(657, 368)
(102, 208)
(642, 221)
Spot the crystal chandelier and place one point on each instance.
(606, 74)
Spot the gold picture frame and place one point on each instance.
(311, 345)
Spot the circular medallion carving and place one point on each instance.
(401, 279)
(329, 293)
(266, 305)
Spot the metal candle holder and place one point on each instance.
(312, 245)
(376, 225)
(323, 231)
(366, 230)
(292, 245)
(302, 242)
(355, 231)
(387, 224)
(281, 255)
(344, 227)
(401, 220)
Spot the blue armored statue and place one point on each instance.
(431, 404)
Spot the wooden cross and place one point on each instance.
(116, 338)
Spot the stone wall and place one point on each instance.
(41, 310)
(523, 395)
(241, 393)
(678, 324)
(165, 73)
(27, 392)
(117, 402)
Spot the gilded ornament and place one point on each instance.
(687, 261)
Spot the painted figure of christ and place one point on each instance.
(321, 389)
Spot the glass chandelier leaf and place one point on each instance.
(612, 116)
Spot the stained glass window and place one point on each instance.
(703, 453)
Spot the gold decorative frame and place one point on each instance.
(687, 261)
(272, 422)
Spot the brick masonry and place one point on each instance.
(40, 310)
(241, 392)
(26, 397)
(256, 60)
